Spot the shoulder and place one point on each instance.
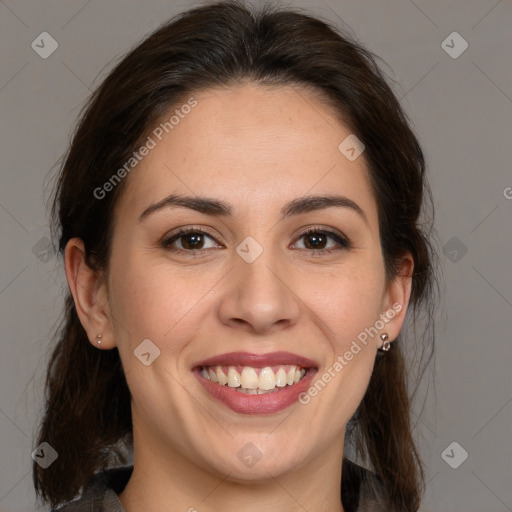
(100, 493)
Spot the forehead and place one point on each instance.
(254, 145)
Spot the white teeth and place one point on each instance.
(221, 378)
(249, 382)
(249, 378)
(255, 391)
(267, 379)
(280, 378)
(233, 378)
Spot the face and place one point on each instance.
(248, 295)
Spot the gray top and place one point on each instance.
(362, 491)
(100, 494)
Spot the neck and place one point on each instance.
(161, 479)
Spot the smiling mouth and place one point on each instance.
(254, 381)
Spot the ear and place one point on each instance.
(396, 298)
(89, 291)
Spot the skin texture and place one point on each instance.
(257, 148)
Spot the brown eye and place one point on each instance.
(189, 240)
(192, 241)
(317, 240)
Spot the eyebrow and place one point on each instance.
(219, 208)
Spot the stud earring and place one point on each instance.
(98, 338)
(386, 344)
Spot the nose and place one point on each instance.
(260, 297)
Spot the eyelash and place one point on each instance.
(343, 241)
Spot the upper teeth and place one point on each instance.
(248, 377)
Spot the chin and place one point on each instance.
(258, 458)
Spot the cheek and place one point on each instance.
(347, 307)
(349, 301)
(152, 300)
(147, 302)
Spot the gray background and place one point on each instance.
(461, 109)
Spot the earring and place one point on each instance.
(98, 338)
(386, 344)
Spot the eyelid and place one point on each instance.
(185, 230)
(333, 233)
(340, 237)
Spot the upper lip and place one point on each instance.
(257, 360)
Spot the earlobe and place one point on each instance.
(396, 298)
(88, 288)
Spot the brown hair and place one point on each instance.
(87, 410)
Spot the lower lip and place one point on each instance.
(257, 404)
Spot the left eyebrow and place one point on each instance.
(313, 203)
(216, 207)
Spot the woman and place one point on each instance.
(238, 213)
